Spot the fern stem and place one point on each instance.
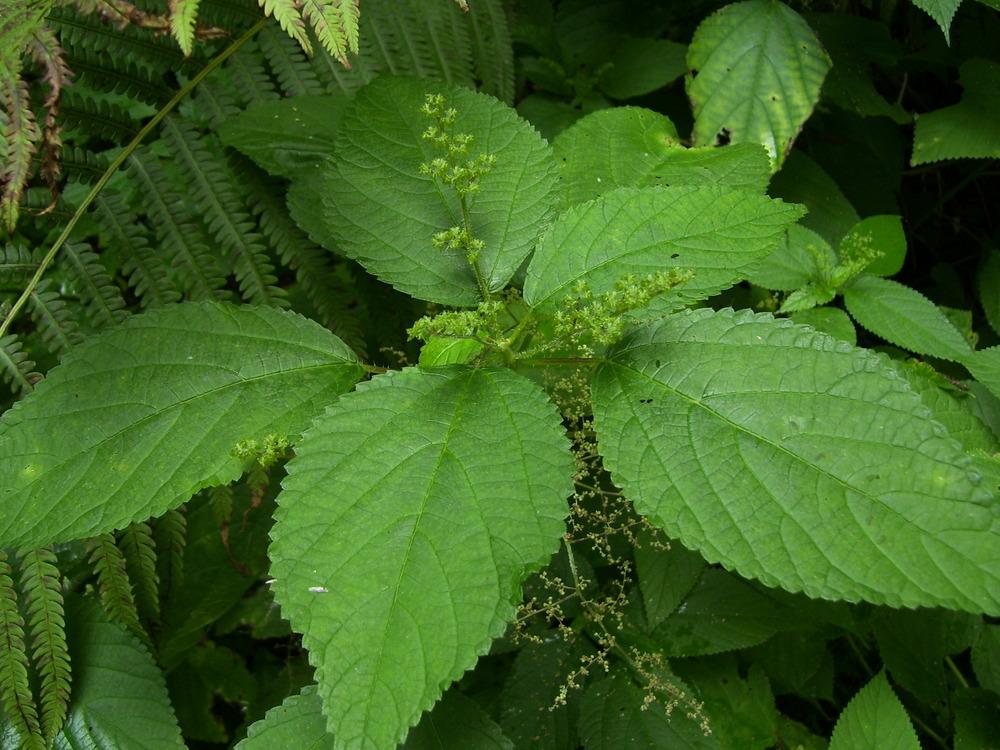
(186, 89)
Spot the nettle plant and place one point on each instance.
(597, 472)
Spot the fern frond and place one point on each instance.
(97, 117)
(21, 136)
(114, 587)
(41, 587)
(118, 30)
(143, 266)
(335, 302)
(15, 689)
(229, 14)
(17, 264)
(90, 281)
(53, 318)
(118, 75)
(289, 65)
(180, 237)
(183, 15)
(81, 165)
(335, 23)
(218, 193)
(137, 545)
(221, 500)
(287, 14)
(170, 531)
(492, 53)
(16, 369)
(247, 71)
(215, 101)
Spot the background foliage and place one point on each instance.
(651, 136)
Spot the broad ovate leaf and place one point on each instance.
(797, 459)
(904, 317)
(967, 130)
(141, 416)
(874, 718)
(756, 69)
(640, 66)
(942, 11)
(412, 511)
(383, 212)
(636, 147)
(882, 234)
(716, 233)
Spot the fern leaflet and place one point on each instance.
(114, 587)
(17, 369)
(137, 545)
(15, 689)
(170, 531)
(295, 76)
(183, 14)
(41, 587)
(53, 318)
(20, 136)
(102, 300)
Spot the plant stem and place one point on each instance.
(167, 108)
(484, 290)
(961, 677)
(542, 361)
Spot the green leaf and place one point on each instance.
(614, 717)
(635, 147)
(714, 232)
(914, 643)
(988, 283)
(977, 720)
(411, 513)
(529, 714)
(796, 459)
(119, 700)
(904, 317)
(800, 258)
(942, 11)
(641, 65)
(441, 351)
(802, 180)
(883, 234)
(722, 613)
(666, 577)
(208, 675)
(296, 723)
(874, 718)
(456, 722)
(831, 320)
(288, 136)
(756, 72)
(140, 417)
(986, 658)
(379, 209)
(966, 130)
(740, 710)
(985, 367)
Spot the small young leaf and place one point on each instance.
(441, 351)
(756, 72)
(382, 211)
(796, 459)
(714, 232)
(140, 417)
(967, 130)
(296, 723)
(874, 718)
(904, 317)
(411, 513)
(802, 180)
(635, 147)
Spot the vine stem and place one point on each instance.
(167, 108)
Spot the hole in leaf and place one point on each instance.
(724, 137)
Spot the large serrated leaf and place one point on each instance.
(874, 718)
(904, 317)
(714, 232)
(380, 210)
(297, 723)
(967, 130)
(412, 511)
(636, 147)
(140, 417)
(796, 459)
(942, 11)
(756, 72)
(119, 700)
